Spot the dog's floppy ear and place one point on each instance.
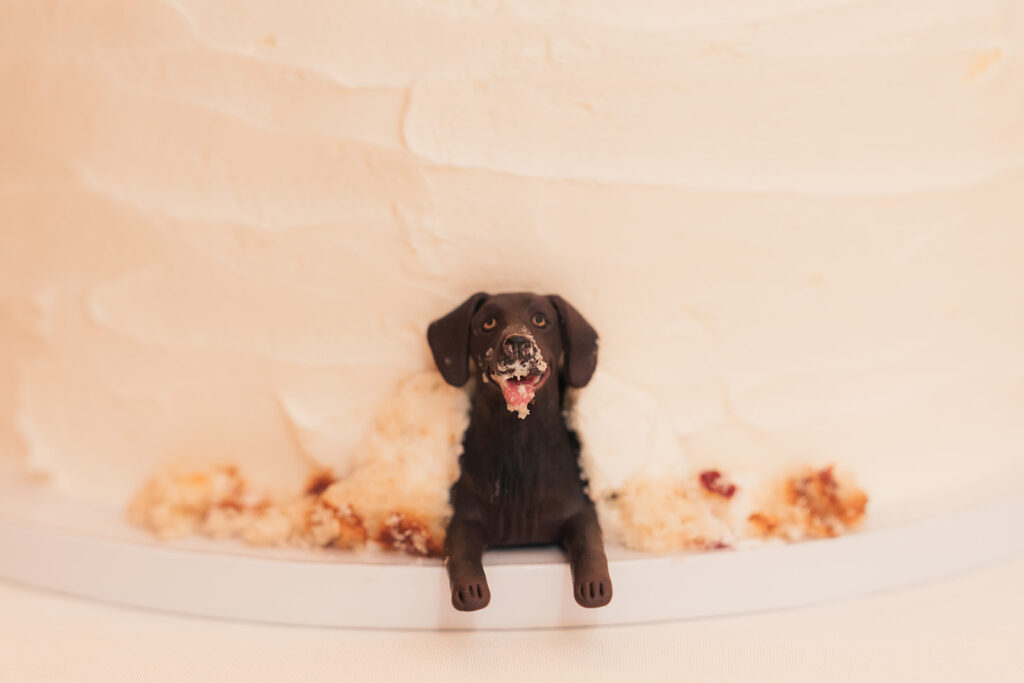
(449, 340)
(579, 340)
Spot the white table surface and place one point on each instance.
(968, 628)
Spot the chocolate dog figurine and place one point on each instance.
(520, 481)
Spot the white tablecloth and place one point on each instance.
(969, 628)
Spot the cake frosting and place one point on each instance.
(795, 223)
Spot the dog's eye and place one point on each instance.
(490, 324)
(540, 320)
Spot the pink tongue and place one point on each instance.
(517, 393)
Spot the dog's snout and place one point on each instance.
(517, 344)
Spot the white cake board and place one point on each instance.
(75, 548)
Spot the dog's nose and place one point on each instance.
(517, 343)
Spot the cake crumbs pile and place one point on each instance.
(649, 515)
(396, 496)
(708, 511)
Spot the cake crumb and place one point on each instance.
(811, 504)
(405, 533)
(662, 515)
(320, 482)
(714, 482)
(327, 525)
(176, 502)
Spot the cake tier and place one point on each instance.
(796, 224)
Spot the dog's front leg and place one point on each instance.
(463, 554)
(581, 538)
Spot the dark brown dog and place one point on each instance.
(520, 481)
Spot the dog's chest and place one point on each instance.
(527, 487)
(537, 517)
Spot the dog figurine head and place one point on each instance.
(517, 342)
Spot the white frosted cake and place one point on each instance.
(796, 225)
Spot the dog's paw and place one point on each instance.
(593, 588)
(470, 594)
